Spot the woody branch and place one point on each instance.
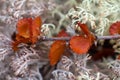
(68, 38)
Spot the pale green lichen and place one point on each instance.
(100, 14)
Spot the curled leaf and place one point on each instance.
(84, 28)
(80, 44)
(28, 30)
(115, 28)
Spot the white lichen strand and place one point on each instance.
(116, 46)
(46, 29)
(65, 63)
(115, 67)
(63, 75)
(24, 60)
(5, 47)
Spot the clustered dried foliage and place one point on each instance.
(33, 62)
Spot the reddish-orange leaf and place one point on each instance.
(62, 33)
(22, 39)
(28, 30)
(35, 29)
(84, 28)
(23, 27)
(87, 32)
(19, 39)
(115, 28)
(80, 44)
(56, 51)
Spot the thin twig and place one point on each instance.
(68, 38)
(108, 37)
(55, 38)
